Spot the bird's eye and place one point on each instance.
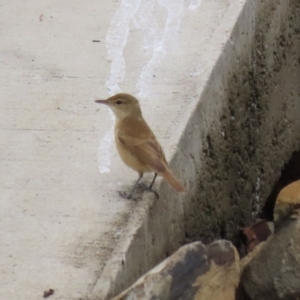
(119, 102)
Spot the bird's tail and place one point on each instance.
(172, 180)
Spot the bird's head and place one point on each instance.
(122, 105)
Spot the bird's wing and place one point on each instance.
(147, 150)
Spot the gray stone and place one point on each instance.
(193, 272)
(275, 272)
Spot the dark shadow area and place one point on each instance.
(289, 174)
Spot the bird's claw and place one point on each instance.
(143, 186)
(124, 195)
(149, 188)
(155, 193)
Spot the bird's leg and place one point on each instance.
(128, 196)
(145, 186)
(151, 185)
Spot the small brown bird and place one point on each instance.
(136, 143)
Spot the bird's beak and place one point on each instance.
(102, 101)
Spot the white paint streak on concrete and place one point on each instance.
(145, 20)
(115, 42)
(104, 150)
(161, 40)
(195, 4)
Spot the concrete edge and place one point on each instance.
(136, 229)
(232, 39)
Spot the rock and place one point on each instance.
(288, 200)
(274, 273)
(248, 258)
(255, 234)
(195, 272)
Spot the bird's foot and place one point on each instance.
(145, 187)
(155, 193)
(124, 195)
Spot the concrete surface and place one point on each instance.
(214, 79)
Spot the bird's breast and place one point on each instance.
(129, 159)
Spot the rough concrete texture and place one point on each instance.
(274, 272)
(218, 82)
(195, 271)
(257, 127)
